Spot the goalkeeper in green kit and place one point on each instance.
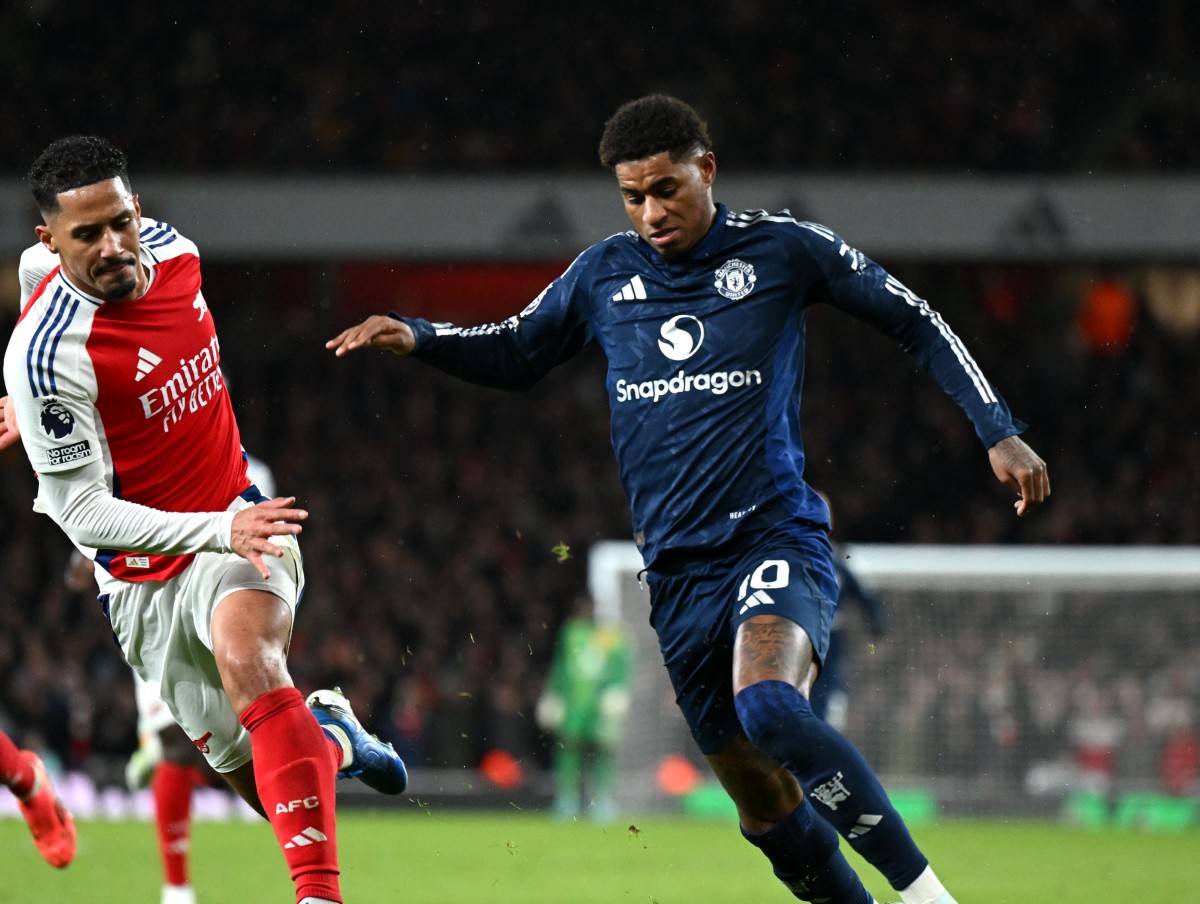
(584, 705)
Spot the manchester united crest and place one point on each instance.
(735, 279)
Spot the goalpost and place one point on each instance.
(1030, 680)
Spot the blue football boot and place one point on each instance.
(371, 760)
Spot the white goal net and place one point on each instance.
(1009, 681)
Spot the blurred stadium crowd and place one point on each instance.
(1034, 695)
(1019, 86)
(450, 524)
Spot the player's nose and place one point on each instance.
(110, 244)
(652, 211)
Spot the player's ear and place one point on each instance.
(137, 209)
(46, 237)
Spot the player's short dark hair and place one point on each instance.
(72, 162)
(650, 125)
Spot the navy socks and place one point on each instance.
(843, 789)
(804, 852)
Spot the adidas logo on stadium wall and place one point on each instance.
(147, 361)
(631, 290)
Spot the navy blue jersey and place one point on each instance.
(705, 364)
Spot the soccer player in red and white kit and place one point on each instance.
(113, 372)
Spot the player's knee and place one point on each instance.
(776, 718)
(248, 676)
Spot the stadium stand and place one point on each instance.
(481, 86)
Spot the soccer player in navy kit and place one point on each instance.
(701, 313)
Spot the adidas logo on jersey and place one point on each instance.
(631, 290)
(147, 361)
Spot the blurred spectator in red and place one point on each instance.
(1106, 317)
(1179, 768)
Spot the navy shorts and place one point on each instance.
(697, 605)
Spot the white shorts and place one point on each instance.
(163, 629)
(153, 714)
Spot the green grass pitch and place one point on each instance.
(452, 857)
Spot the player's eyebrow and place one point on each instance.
(662, 182)
(80, 228)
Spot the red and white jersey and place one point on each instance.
(135, 387)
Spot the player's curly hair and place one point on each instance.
(71, 162)
(650, 125)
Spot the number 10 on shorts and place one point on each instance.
(771, 574)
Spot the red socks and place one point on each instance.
(295, 768)
(15, 770)
(172, 788)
